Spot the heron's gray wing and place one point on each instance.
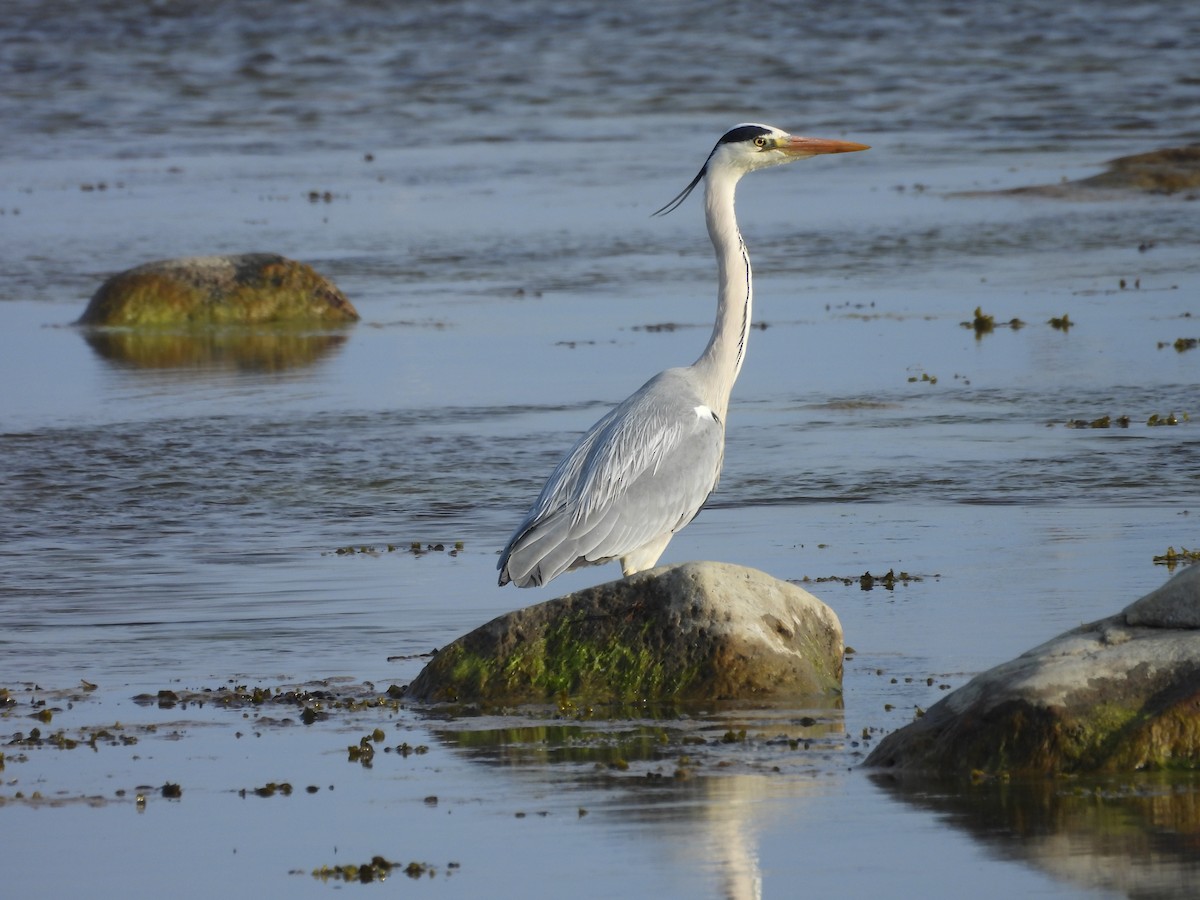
(642, 471)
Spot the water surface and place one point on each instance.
(478, 179)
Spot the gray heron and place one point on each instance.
(643, 471)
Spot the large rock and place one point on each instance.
(246, 289)
(697, 631)
(1120, 694)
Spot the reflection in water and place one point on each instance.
(243, 349)
(706, 778)
(1139, 836)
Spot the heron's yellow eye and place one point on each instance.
(760, 142)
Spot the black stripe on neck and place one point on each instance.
(741, 351)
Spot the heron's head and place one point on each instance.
(751, 146)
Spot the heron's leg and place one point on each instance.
(645, 556)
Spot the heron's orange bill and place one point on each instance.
(812, 146)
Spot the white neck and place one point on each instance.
(721, 361)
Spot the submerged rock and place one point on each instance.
(1117, 695)
(1167, 171)
(246, 289)
(697, 631)
(1171, 170)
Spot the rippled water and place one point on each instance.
(478, 178)
(152, 78)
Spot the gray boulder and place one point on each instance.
(1117, 695)
(697, 631)
(244, 289)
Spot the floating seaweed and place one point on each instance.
(416, 548)
(378, 869)
(1180, 557)
(983, 323)
(1061, 323)
(867, 581)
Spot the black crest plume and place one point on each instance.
(733, 135)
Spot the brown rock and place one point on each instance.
(1172, 170)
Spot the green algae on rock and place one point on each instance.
(697, 631)
(1118, 695)
(245, 289)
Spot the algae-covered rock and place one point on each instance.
(1172, 170)
(1166, 171)
(1117, 695)
(246, 289)
(697, 631)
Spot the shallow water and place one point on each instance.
(172, 510)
